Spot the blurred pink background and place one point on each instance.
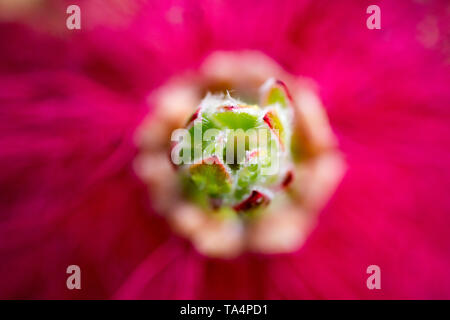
(70, 101)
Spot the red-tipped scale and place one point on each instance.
(254, 200)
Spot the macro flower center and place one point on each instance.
(236, 160)
(236, 156)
